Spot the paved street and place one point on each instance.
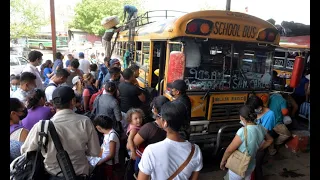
(296, 164)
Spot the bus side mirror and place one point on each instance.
(297, 71)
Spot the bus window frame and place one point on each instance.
(168, 51)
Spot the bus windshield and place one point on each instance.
(227, 66)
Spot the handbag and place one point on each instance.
(184, 164)
(238, 161)
(30, 166)
(129, 171)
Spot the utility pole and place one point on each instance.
(228, 5)
(53, 29)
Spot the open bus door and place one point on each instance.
(158, 64)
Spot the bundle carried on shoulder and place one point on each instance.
(110, 21)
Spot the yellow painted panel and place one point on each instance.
(198, 106)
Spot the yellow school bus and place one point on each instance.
(284, 56)
(223, 57)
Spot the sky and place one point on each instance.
(279, 10)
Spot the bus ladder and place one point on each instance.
(132, 25)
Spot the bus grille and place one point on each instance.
(225, 112)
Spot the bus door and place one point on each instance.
(158, 63)
(180, 57)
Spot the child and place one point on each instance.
(94, 72)
(134, 117)
(109, 159)
(14, 83)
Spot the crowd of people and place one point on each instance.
(101, 117)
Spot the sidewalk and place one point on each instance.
(296, 164)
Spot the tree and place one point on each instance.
(272, 21)
(89, 13)
(26, 18)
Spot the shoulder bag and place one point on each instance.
(62, 155)
(238, 161)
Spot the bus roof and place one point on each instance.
(227, 25)
(298, 42)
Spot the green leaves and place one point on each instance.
(89, 13)
(26, 18)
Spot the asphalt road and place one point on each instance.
(284, 165)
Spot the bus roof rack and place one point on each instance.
(153, 16)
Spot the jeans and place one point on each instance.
(259, 161)
(136, 163)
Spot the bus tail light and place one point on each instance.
(199, 27)
(268, 35)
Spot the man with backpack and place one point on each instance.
(59, 78)
(76, 133)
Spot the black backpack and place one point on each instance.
(30, 166)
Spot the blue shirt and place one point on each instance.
(67, 63)
(255, 136)
(46, 78)
(300, 91)
(276, 104)
(57, 63)
(130, 9)
(103, 72)
(268, 120)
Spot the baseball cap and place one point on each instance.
(114, 61)
(62, 95)
(81, 54)
(75, 80)
(179, 85)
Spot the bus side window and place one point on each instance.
(138, 52)
(145, 54)
(279, 59)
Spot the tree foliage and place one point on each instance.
(89, 13)
(26, 18)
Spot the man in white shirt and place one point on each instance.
(84, 64)
(76, 132)
(27, 85)
(59, 78)
(35, 59)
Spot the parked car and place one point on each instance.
(19, 50)
(17, 64)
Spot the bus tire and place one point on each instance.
(41, 46)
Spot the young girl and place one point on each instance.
(134, 117)
(109, 157)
